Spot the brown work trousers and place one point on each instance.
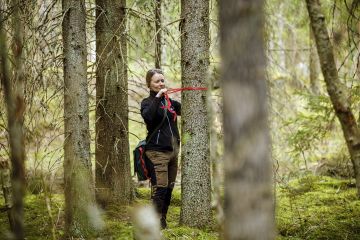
(166, 166)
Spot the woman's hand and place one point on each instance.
(161, 92)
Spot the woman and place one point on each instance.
(162, 141)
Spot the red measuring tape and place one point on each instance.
(174, 90)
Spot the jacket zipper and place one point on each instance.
(169, 126)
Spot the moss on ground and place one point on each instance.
(117, 220)
(316, 207)
(310, 207)
(38, 224)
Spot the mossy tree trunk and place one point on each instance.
(158, 37)
(195, 162)
(14, 98)
(79, 188)
(113, 177)
(249, 210)
(337, 91)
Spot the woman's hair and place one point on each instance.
(151, 73)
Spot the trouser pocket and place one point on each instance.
(161, 174)
(165, 168)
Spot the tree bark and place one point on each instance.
(158, 37)
(17, 144)
(113, 177)
(79, 189)
(5, 182)
(249, 210)
(358, 65)
(337, 91)
(195, 163)
(14, 99)
(313, 66)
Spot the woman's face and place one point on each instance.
(157, 82)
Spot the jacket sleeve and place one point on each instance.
(149, 108)
(177, 107)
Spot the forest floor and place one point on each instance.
(310, 207)
(318, 207)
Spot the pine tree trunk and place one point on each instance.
(158, 40)
(113, 177)
(14, 99)
(196, 186)
(249, 210)
(337, 91)
(79, 189)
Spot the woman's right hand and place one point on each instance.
(161, 92)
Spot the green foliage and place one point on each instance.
(312, 124)
(355, 94)
(304, 128)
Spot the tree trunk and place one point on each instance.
(313, 66)
(357, 60)
(17, 140)
(5, 169)
(5, 182)
(337, 91)
(249, 210)
(158, 40)
(195, 187)
(113, 177)
(216, 166)
(14, 99)
(358, 66)
(79, 189)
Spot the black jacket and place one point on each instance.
(168, 133)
